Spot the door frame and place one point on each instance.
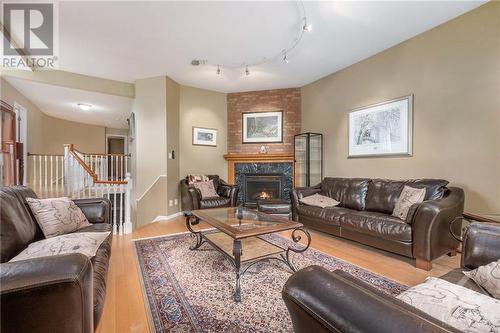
(125, 142)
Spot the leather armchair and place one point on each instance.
(191, 197)
(322, 301)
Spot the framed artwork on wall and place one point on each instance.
(204, 136)
(383, 129)
(262, 127)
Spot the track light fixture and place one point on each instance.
(285, 59)
(218, 70)
(307, 27)
(247, 72)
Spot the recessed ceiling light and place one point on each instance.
(84, 106)
(307, 27)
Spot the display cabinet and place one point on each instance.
(308, 157)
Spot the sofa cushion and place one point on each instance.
(377, 225)
(18, 227)
(409, 196)
(328, 215)
(215, 202)
(488, 277)
(457, 276)
(462, 308)
(350, 192)
(383, 193)
(319, 200)
(207, 189)
(86, 243)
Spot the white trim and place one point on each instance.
(23, 132)
(168, 217)
(149, 188)
(125, 142)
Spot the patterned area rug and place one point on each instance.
(191, 291)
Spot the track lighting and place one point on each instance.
(84, 106)
(218, 70)
(285, 59)
(247, 72)
(307, 27)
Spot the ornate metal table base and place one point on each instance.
(235, 259)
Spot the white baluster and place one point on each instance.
(127, 226)
(40, 170)
(46, 174)
(51, 175)
(114, 210)
(33, 162)
(122, 193)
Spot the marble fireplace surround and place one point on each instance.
(265, 164)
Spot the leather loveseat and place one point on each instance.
(61, 293)
(364, 215)
(322, 301)
(191, 197)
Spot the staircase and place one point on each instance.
(80, 175)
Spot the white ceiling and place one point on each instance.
(61, 102)
(130, 40)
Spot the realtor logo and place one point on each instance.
(29, 35)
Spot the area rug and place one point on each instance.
(191, 291)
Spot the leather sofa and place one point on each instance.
(191, 196)
(322, 301)
(61, 293)
(364, 215)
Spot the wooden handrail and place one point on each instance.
(479, 218)
(101, 154)
(90, 171)
(34, 154)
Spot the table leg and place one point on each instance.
(190, 221)
(296, 238)
(237, 252)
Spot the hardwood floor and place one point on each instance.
(124, 309)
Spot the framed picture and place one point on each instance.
(383, 129)
(204, 136)
(262, 127)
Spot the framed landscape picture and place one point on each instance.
(383, 129)
(262, 127)
(204, 136)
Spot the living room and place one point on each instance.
(340, 164)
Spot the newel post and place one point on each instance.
(127, 226)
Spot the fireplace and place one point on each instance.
(261, 186)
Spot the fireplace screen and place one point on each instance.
(262, 187)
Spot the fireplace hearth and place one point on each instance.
(261, 186)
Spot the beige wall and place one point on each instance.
(454, 73)
(202, 108)
(173, 165)
(150, 108)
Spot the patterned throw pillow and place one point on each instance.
(462, 308)
(86, 243)
(408, 197)
(57, 216)
(319, 200)
(488, 277)
(207, 189)
(196, 178)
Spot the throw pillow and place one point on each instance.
(488, 277)
(319, 200)
(86, 243)
(207, 189)
(57, 216)
(462, 308)
(196, 178)
(408, 197)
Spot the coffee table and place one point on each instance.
(238, 237)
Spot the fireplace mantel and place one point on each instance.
(233, 158)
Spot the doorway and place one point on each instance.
(116, 148)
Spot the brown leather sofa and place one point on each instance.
(364, 215)
(191, 196)
(62, 293)
(321, 301)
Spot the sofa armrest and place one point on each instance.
(298, 193)
(322, 301)
(190, 197)
(50, 294)
(481, 245)
(96, 210)
(228, 191)
(431, 225)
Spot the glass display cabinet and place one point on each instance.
(308, 156)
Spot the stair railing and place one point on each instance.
(85, 178)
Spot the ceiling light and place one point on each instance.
(307, 27)
(218, 70)
(84, 107)
(247, 72)
(198, 62)
(285, 59)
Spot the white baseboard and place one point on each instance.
(167, 217)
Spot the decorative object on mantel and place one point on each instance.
(264, 127)
(383, 129)
(308, 157)
(204, 136)
(263, 150)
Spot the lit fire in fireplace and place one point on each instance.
(264, 195)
